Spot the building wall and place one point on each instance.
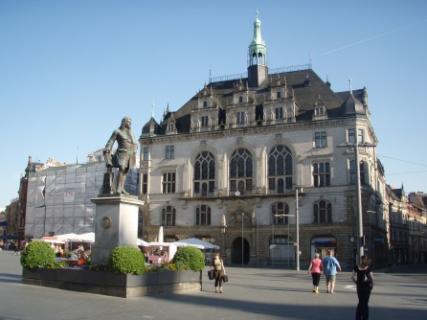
(299, 138)
(12, 217)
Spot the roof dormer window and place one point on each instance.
(205, 104)
(171, 127)
(320, 112)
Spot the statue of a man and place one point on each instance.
(123, 159)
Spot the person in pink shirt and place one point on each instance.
(315, 269)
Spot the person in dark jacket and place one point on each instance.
(363, 278)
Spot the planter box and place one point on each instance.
(113, 284)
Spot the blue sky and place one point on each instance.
(70, 70)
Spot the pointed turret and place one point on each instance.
(151, 128)
(257, 58)
(352, 105)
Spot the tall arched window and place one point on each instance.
(241, 171)
(322, 212)
(168, 216)
(204, 173)
(280, 169)
(203, 215)
(279, 213)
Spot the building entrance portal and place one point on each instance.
(321, 245)
(240, 251)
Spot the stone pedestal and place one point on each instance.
(116, 224)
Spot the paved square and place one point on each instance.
(252, 293)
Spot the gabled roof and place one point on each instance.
(148, 125)
(416, 199)
(352, 105)
(398, 192)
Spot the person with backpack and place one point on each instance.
(330, 268)
(363, 278)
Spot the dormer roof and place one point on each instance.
(352, 105)
(151, 127)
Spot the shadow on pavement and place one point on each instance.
(292, 311)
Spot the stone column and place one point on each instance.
(116, 224)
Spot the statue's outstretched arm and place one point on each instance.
(111, 141)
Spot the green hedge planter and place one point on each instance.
(115, 284)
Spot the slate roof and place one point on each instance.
(398, 192)
(416, 199)
(307, 87)
(146, 127)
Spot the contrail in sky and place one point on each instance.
(380, 35)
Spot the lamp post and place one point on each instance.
(297, 227)
(272, 244)
(44, 206)
(355, 147)
(359, 196)
(243, 215)
(224, 227)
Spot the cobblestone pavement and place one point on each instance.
(252, 293)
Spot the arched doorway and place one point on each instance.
(240, 252)
(322, 244)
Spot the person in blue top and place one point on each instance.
(330, 268)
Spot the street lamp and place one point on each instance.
(297, 190)
(223, 228)
(44, 205)
(243, 215)
(355, 147)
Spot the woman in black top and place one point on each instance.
(363, 278)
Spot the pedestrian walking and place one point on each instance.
(330, 268)
(363, 278)
(219, 272)
(315, 269)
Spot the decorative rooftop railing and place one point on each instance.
(237, 76)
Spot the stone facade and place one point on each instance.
(225, 167)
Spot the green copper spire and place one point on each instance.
(257, 54)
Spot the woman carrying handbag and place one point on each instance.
(219, 272)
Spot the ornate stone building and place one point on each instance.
(225, 166)
(399, 232)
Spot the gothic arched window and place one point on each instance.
(241, 171)
(280, 169)
(204, 173)
(279, 213)
(322, 211)
(203, 215)
(168, 216)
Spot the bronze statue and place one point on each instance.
(123, 159)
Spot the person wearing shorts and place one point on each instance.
(330, 267)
